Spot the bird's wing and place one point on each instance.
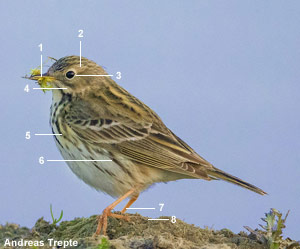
(133, 130)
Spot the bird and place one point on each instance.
(113, 141)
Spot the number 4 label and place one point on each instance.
(26, 89)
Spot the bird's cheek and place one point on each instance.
(56, 83)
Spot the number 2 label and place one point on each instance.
(80, 31)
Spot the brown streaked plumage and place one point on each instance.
(101, 120)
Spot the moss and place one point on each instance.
(104, 244)
(137, 233)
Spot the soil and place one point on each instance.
(138, 233)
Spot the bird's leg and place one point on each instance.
(102, 221)
(131, 201)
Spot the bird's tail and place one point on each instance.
(219, 174)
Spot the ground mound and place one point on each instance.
(139, 233)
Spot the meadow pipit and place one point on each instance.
(100, 120)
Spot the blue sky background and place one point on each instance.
(223, 75)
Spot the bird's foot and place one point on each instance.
(102, 220)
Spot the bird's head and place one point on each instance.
(72, 76)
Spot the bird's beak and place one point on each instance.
(38, 76)
(44, 80)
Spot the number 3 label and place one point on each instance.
(119, 75)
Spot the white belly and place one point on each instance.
(106, 176)
(97, 179)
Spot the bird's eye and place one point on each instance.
(70, 74)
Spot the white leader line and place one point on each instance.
(108, 160)
(141, 208)
(103, 75)
(158, 219)
(39, 134)
(41, 65)
(80, 53)
(46, 88)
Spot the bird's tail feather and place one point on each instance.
(219, 174)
